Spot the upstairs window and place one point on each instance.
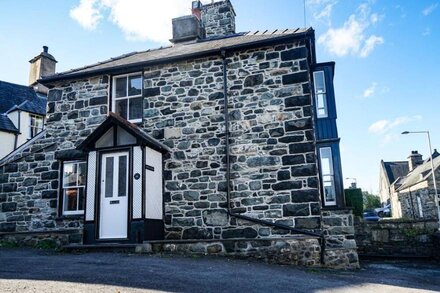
(320, 94)
(73, 188)
(127, 97)
(328, 176)
(35, 125)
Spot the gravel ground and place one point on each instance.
(27, 270)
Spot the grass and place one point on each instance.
(9, 244)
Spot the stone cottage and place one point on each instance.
(415, 195)
(222, 143)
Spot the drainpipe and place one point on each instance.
(228, 174)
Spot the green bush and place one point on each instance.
(354, 199)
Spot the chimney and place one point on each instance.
(186, 29)
(414, 159)
(218, 18)
(41, 65)
(196, 9)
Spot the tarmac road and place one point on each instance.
(28, 270)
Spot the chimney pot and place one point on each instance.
(45, 49)
(415, 159)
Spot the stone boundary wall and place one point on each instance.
(300, 251)
(50, 239)
(397, 238)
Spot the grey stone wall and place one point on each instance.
(340, 244)
(29, 184)
(302, 251)
(410, 238)
(410, 207)
(218, 19)
(274, 173)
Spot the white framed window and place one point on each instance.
(35, 125)
(419, 205)
(327, 176)
(73, 189)
(320, 94)
(127, 98)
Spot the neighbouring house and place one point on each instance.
(405, 185)
(23, 108)
(213, 144)
(416, 192)
(389, 173)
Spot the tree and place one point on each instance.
(371, 201)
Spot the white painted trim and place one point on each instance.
(332, 175)
(154, 185)
(114, 99)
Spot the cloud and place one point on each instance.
(370, 91)
(426, 32)
(375, 89)
(370, 43)
(351, 38)
(428, 10)
(324, 14)
(385, 126)
(86, 14)
(137, 19)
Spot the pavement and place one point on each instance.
(29, 270)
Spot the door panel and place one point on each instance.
(114, 196)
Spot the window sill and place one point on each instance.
(70, 217)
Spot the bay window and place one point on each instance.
(127, 96)
(320, 94)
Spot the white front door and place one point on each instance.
(114, 196)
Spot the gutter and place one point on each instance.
(228, 173)
(140, 65)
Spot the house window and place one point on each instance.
(327, 175)
(419, 205)
(320, 94)
(127, 97)
(73, 188)
(35, 125)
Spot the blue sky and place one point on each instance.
(386, 53)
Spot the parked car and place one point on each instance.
(384, 211)
(371, 216)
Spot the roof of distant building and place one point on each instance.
(6, 124)
(14, 96)
(394, 170)
(420, 173)
(180, 51)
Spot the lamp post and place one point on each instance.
(354, 179)
(432, 170)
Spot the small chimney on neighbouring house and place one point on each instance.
(41, 65)
(414, 159)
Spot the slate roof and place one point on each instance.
(394, 170)
(7, 125)
(182, 51)
(419, 174)
(15, 96)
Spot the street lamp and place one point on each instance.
(432, 170)
(354, 179)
